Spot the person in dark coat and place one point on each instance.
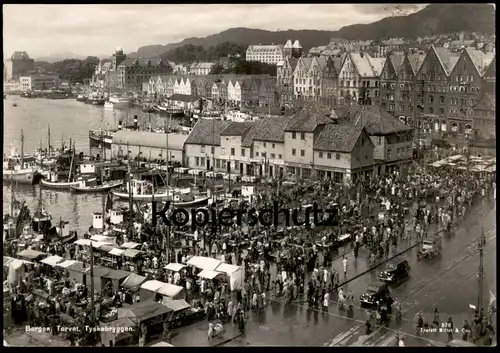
(241, 322)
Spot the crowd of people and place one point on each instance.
(376, 213)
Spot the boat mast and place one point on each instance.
(71, 164)
(22, 149)
(49, 141)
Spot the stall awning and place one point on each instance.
(52, 260)
(116, 251)
(107, 248)
(132, 253)
(67, 263)
(133, 281)
(17, 263)
(85, 242)
(169, 290)
(152, 285)
(130, 245)
(143, 311)
(205, 263)
(174, 267)
(177, 305)
(162, 344)
(208, 274)
(31, 254)
(116, 274)
(103, 239)
(98, 244)
(7, 259)
(227, 268)
(78, 267)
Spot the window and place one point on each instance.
(302, 136)
(273, 156)
(329, 155)
(337, 156)
(217, 163)
(256, 154)
(279, 156)
(320, 154)
(294, 151)
(202, 161)
(232, 151)
(302, 153)
(441, 99)
(401, 108)
(441, 111)
(431, 110)
(197, 161)
(294, 136)
(265, 145)
(243, 152)
(431, 99)
(202, 149)
(273, 145)
(263, 154)
(389, 154)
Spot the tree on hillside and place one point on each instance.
(190, 53)
(217, 69)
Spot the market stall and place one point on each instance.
(79, 272)
(116, 277)
(119, 333)
(148, 313)
(174, 267)
(52, 261)
(183, 314)
(17, 271)
(131, 245)
(99, 282)
(31, 255)
(133, 282)
(171, 292)
(133, 259)
(149, 290)
(66, 264)
(235, 274)
(204, 263)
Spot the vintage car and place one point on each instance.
(395, 271)
(376, 292)
(430, 247)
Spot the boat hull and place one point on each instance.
(96, 189)
(145, 198)
(58, 185)
(21, 178)
(196, 202)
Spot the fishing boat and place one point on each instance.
(47, 157)
(106, 186)
(19, 168)
(108, 105)
(81, 98)
(142, 190)
(119, 102)
(97, 101)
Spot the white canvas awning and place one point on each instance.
(52, 260)
(181, 170)
(98, 244)
(103, 239)
(205, 263)
(116, 251)
(152, 285)
(67, 263)
(175, 267)
(130, 245)
(17, 263)
(227, 268)
(169, 290)
(208, 274)
(85, 242)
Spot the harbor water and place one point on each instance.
(67, 119)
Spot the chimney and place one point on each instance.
(135, 122)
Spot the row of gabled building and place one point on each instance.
(439, 84)
(314, 142)
(233, 89)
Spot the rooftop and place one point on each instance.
(271, 129)
(447, 58)
(487, 102)
(376, 120)
(337, 138)
(207, 132)
(236, 129)
(308, 118)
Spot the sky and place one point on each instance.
(46, 30)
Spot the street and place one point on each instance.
(448, 282)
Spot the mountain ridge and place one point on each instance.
(433, 19)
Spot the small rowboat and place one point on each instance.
(97, 188)
(59, 185)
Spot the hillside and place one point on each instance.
(433, 19)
